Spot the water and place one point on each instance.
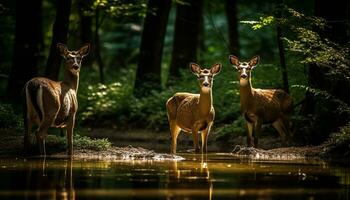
(219, 176)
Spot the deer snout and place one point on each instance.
(206, 84)
(244, 75)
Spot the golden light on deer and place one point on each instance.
(261, 106)
(193, 113)
(54, 103)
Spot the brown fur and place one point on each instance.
(53, 104)
(262, 106)
(193, 113)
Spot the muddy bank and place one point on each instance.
(121, 153)
(285, 153)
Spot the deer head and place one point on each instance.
(244, 68)
(73, 58)
(205, 76)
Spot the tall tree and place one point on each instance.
(232, 21)
(59, 35)
(148, 75)
(281, 50)
(28, 45)
(86, 19)
(186, 38)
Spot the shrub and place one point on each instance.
(9, 118)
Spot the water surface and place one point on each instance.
(218, 176)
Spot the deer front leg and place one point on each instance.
(195, 130)
(69, 128)
(174, 132)
(250, 134)
(205, 135)
(256, 132)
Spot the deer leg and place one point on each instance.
(250, 134)
(69, 129)
(174, 131)
(204, 136)
(281, 129)
(256, 132)
(27, 133)
(195, 138)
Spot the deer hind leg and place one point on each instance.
(195, 131)
(256, 132)
(27, 133)
(174, 132)
(250, 134)
(281, 129)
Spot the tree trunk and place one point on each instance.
(186, 38)
(148, 74)
(232, 21)
(28, 46)
(59, 35)
(98, 46)
(86, 33)
(281, 48)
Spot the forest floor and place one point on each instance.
(148, 145)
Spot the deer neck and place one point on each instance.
(245, 93)
(205, 100)
(71, 80)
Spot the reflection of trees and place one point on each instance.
(190, 179)
(53, 183)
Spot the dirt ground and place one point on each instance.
(142, 141)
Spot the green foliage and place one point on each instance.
(339, 142)
(97, 101)
(9, 118)
(79, 142)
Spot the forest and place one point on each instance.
(96, 97)
(140, 53)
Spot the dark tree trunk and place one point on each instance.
(98, 46)
(86, 33)
(281, 48)
(28, 45)
(59, 35)
(186, 38)
(148, 74)
(232, 21)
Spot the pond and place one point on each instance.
(216, 176)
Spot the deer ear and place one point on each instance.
(215, 69)
(254, 61)
(195, 68)
(84, 50)
(234, 60)
(63, 49)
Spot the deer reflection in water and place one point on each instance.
(190, 179)
(49, 182)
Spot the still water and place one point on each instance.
(218, 176)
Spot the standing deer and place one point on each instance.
(260, 106)
(193, 112)
(54, 104)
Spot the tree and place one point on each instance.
(281, 47)
(148, 75)
(28, 45)
(186, 38)
(86, 18)
(232, 21)
(59, 35)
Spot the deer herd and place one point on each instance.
(51, 103)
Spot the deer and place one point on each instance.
(262, 106)
(51, 103)
(193, 113)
